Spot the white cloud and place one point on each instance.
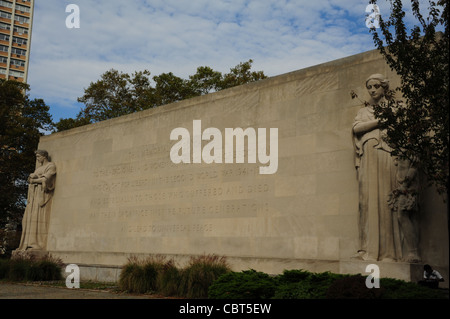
(179, 35)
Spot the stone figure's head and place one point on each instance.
(378, 86)
(42, 154)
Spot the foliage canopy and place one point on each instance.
(22, 122)
(417, 123)
(118, 93)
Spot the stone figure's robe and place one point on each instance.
(37, 212)
(376, 179)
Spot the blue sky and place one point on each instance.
(178, 36)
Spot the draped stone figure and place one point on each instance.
(376, 179)
(37, 212)
(404, 202)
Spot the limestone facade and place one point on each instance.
(118, 193)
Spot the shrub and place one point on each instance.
(18, 269)
(140, 276)
(151, 274)
(353, 287)
(399, 289)
(200, 273)
(169, 278)
(128, 277)
(249, 284)
(155, 274)
(300, 284)
(27, 267)
(293, 276)
(210, 277)
(44, 270)
(4, 268)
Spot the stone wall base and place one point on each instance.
(111, 272)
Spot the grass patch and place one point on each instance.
(200, 273)
(145, 275)
(158, 275)
(169, 279)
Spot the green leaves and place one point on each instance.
(22, 122)
(417, 124)
(118, 93)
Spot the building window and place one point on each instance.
(22, 8)
(16, 73)
(2, 71)
(5, 15)
(3, 59)
(19, 41)
(20, 30)
(6, 4)
(21, 19)
(4, 48)
(18, 51)
(4, 37)
(17, 62)
(5, 26)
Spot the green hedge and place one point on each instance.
(300, 284)
(248, 284)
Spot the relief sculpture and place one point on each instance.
(37, 213)
(404, 202)
(376, 173)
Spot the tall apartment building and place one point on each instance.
(16, 19)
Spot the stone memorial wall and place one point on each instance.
(263, 174)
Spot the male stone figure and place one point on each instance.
(37, 213)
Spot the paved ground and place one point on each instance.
(28, 291)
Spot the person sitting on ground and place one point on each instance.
(431, 277)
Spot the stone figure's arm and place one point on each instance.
(50, 172)
(39, 180)
(363, 127)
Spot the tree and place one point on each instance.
(240, 75)
(417, 123)
(118, 93)
(205, 80)
(22, 122)
(113, 95)
(170, 88)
